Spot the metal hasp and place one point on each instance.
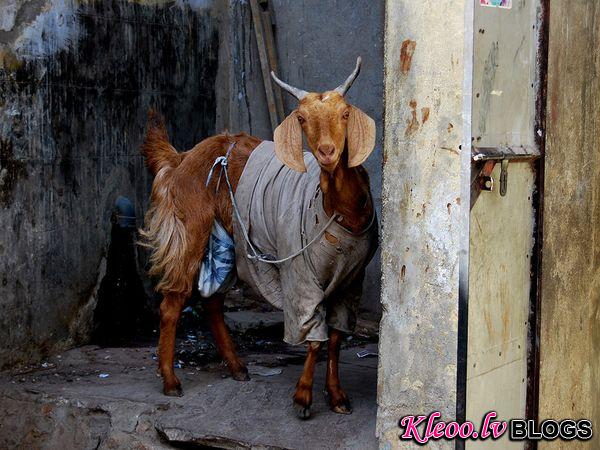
(483, 161)
(503, 177)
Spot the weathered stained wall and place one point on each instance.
(570, 321)
(76, 80)
(317, 47)
(241, 101)
(423, 142)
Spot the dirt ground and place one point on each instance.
(110, 397)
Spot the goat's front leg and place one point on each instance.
(303, 394)
(170, 310)
(338, 400)
(214, 307)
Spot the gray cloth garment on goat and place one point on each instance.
(283, 210)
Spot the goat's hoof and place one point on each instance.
(175, 391)
(302, 411)
(241, 375)
(342, 406)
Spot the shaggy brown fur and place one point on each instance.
(177, 228)
(179, 221)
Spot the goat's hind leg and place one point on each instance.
(214, 308)
(170, 310)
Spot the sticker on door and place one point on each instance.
(496, 3)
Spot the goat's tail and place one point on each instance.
(164, 231)
(157, 150)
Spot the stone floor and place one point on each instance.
(93, 397)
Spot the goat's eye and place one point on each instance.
(301, 119)
(346, 114)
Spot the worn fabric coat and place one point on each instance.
(283, 210)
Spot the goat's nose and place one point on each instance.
(326, 149)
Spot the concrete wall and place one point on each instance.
(422, 210)
(76, 80)
(570, 334)
(241, 102)
(317, 44)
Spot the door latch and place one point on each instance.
(503, 177)
(485, 158)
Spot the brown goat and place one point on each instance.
(180, 219)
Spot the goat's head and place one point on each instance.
(330, 125)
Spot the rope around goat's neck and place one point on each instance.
(256, 256)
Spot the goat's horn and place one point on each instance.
(298, 93)
(343, 88)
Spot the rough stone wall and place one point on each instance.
(424, 46)
(76, 80)
(570, 320)
(317, 44)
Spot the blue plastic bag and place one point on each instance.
(217, 270)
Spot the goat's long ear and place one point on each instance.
(288, 143)
(360, 137)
